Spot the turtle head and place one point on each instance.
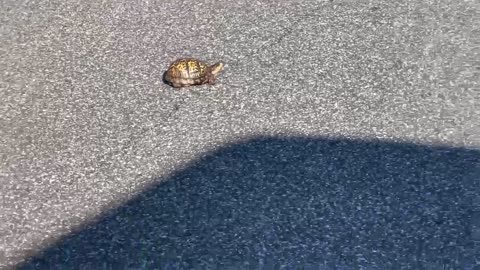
(215, 69)
(213, 72)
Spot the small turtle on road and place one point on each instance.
(191, 71)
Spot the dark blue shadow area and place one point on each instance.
(271, 202)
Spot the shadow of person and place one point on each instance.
(268, 202)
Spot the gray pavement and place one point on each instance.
(87, 126)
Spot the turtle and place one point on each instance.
(190, 71)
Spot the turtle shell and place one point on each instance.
(191, 71)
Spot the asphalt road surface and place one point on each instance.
(341, 135)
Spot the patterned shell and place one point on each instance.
(188, 68)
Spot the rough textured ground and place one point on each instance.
(87, 124)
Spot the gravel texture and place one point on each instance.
(341, 134)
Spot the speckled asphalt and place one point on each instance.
(341, 135)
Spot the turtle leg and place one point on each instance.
(211, 80)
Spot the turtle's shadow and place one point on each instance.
(335, 203)
(164, 80)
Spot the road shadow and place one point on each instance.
(268, 203)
